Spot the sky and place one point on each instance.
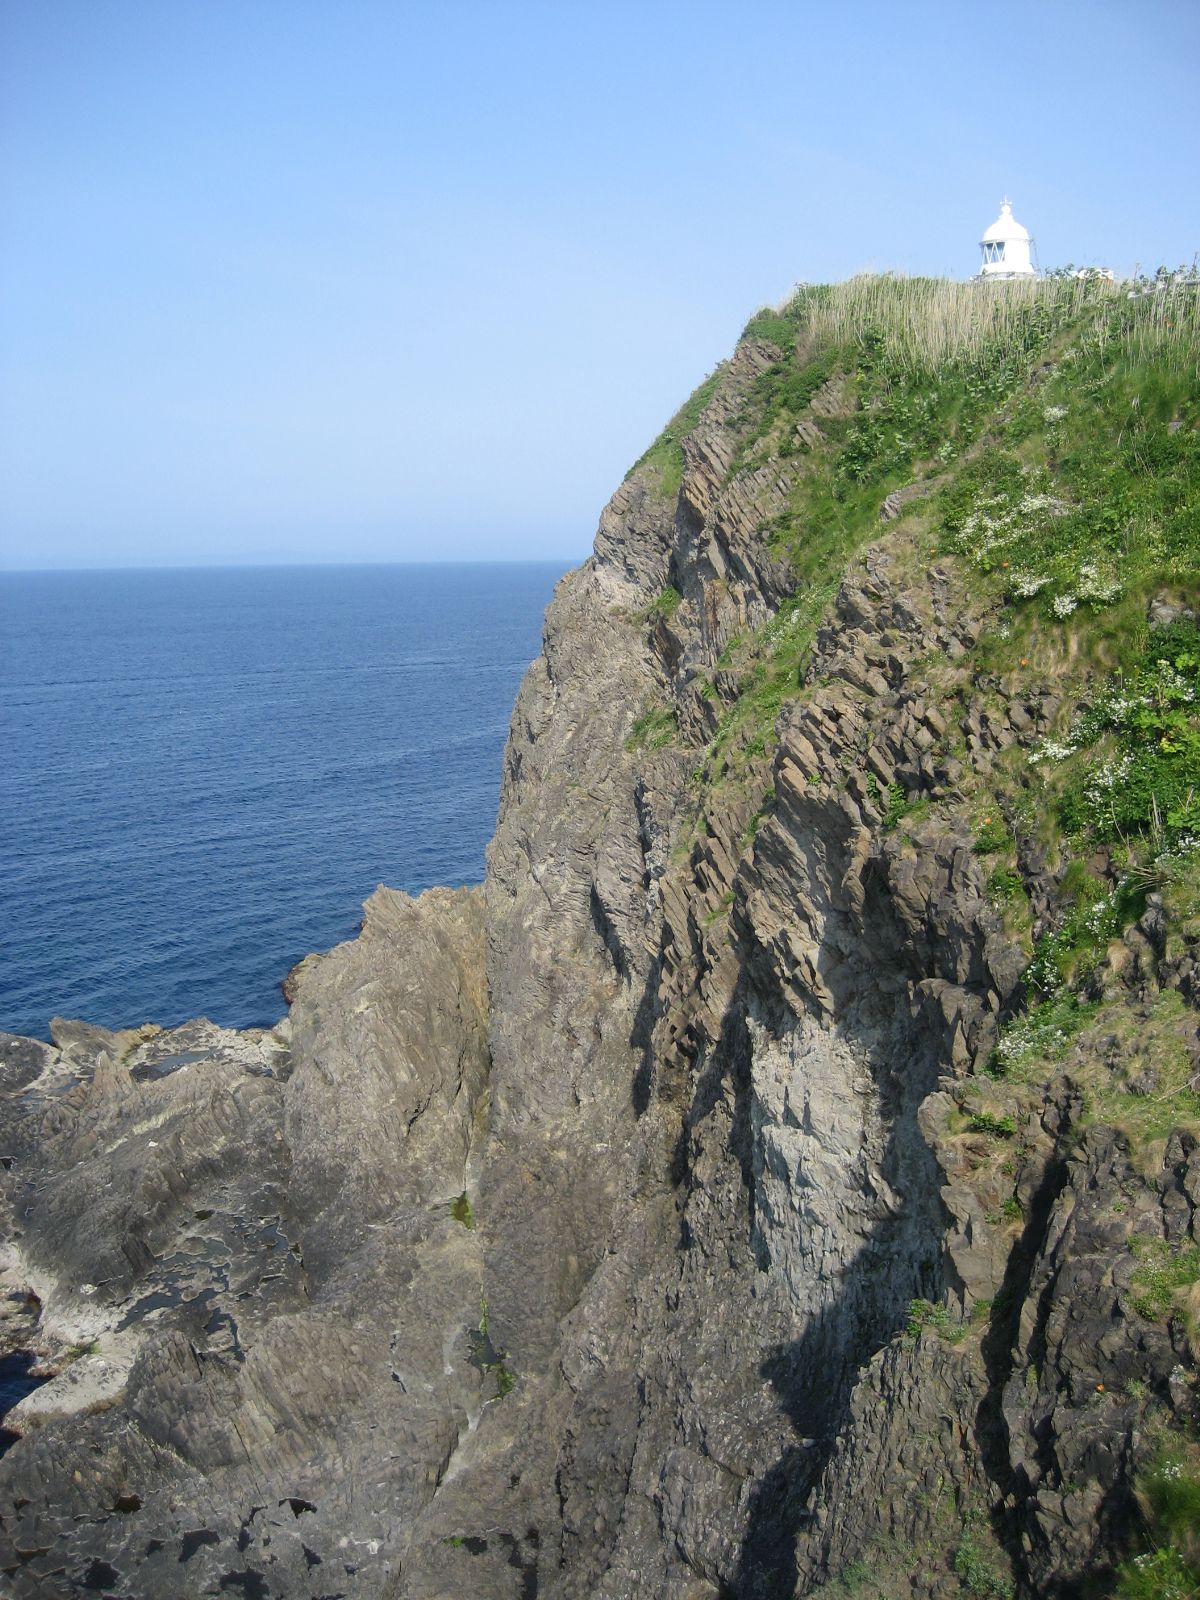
(289, 281)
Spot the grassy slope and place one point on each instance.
(1055, 431)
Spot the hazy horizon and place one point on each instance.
(292, 282)
(566, 562)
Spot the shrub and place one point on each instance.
(987, 1122)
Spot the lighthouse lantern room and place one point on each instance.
(1007, 248)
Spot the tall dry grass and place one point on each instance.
(1161, 326)
(928, 323)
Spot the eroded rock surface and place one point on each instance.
(262, 1306)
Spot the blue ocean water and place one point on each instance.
(205, 772)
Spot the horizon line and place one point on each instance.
(293, 566)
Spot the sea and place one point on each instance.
(205, 772)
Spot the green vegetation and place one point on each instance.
(1151, 1092)
(992, 836)
(764, 809)
(1039, 1037)
(719, 910)
(665, 455)
(899, 806)
(924, 1314)
(959, 1539)
(1162, 1271)
(1016, 399)
(1005, 884)
(1169, 1492)
(1004, 1127)
(667, 603)
(1138, 742)
(977, 1561)
(1047, 436)
(461, 1210)
(492, 1363)
(654, 729)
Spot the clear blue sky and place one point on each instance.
(284, 280)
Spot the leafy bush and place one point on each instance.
(987, 1122)
(977, 1561)
(1149, 780)
(1005, 884)
(1157, 1575)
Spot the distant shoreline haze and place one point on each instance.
(208, 769)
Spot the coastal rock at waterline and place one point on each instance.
(256, 1284)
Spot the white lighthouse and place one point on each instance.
(1007, 248)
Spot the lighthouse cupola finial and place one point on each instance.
(1007, 247)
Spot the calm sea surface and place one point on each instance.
(204, 773)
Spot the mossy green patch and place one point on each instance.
(667, 603)
(653, 729)
(1162, 1271)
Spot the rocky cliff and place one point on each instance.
(782, 1178)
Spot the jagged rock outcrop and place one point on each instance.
(253, 1280)
(651, 1231)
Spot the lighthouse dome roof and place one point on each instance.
(1006, 227)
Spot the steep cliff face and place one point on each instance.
(809, 1203)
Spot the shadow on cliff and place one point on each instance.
(814, 1375)
(898, 1260)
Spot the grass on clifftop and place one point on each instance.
(1058, 423)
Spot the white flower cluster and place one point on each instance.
(1024, 585)
(1098, 919)
(991, 526)
(1026, 1037)
(1063, 605)
(1094, 586)
(1105, 780)
(1172, 1471)
(1109, 775)
(1031, 503)
(1053, 750)
(1116, 708)
(1180, 688)
(1054, 413)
